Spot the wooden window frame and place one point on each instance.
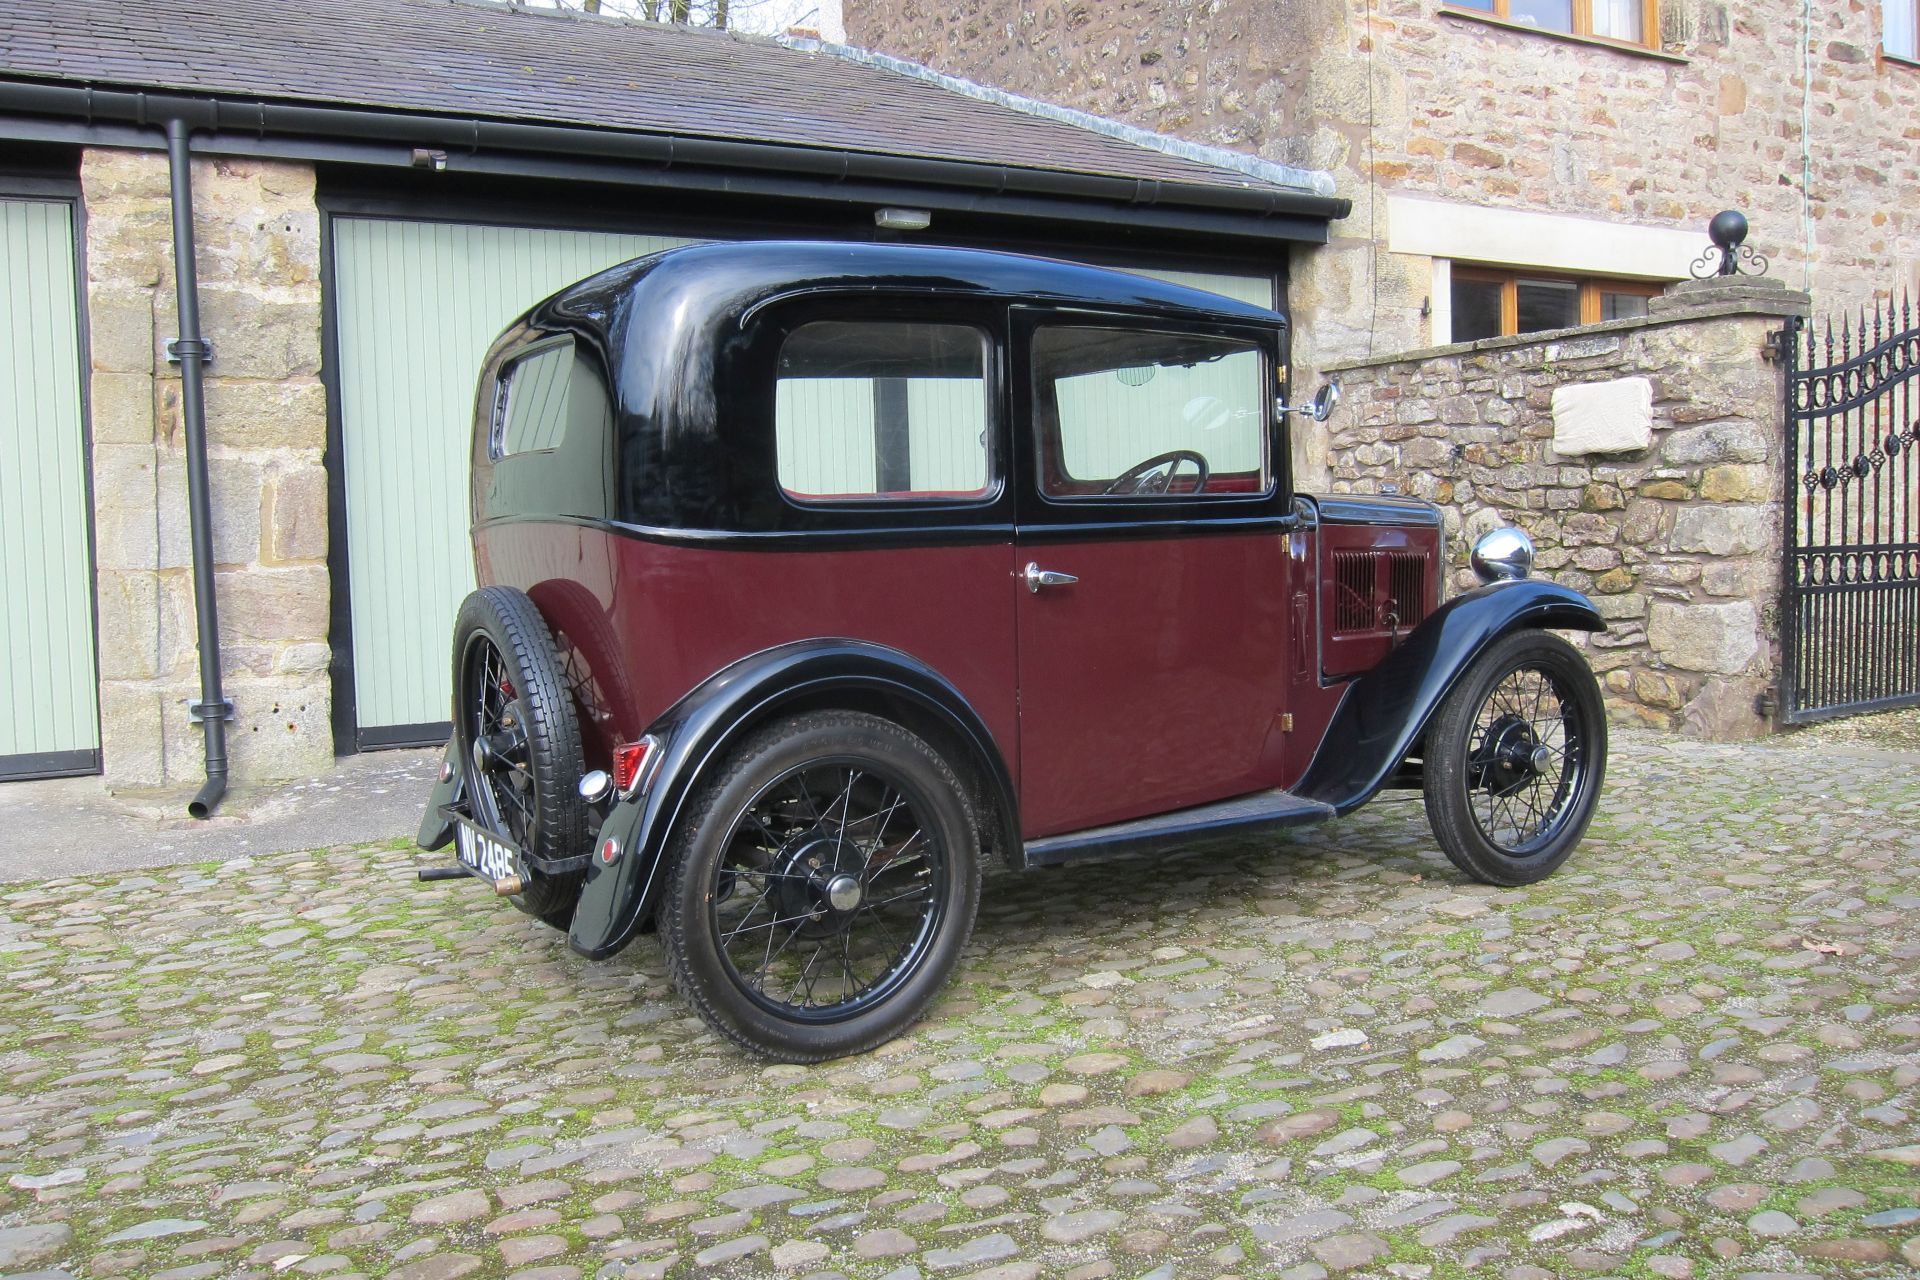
(1591, 289)
(1502, 12)
(1909, 58)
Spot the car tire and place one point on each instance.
(1515, 759)
(508, 689)
(834, 848)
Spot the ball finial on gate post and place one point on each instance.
(1728, 231)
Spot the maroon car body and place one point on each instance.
(742, 485)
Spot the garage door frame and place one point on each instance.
(849, 223)
(66, 191)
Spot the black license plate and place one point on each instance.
(487, 853)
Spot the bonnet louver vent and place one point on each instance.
(1378, 591)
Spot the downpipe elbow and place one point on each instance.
(208, 798)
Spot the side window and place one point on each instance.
(887, 411)
(1131, 413)
(532, 403)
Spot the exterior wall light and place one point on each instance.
(903, 219)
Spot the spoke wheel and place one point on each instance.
(499, 774)
(823, 889)
(1515, 759)
(519, 741)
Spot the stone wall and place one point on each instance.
(1645, 459)
(1397, 97)
(258, 243)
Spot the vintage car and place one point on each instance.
(814, 576)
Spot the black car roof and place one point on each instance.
(755, 272)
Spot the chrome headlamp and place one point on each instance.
(1503, 555)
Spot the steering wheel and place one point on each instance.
(1139, 477)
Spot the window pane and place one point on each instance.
(1618, 20)
(1122, 399)
(1476, 310)
(1622, 306)
(1900, 37)
(1484, 6)
(865, 410)
(1548, 304)
(1550, 15)
(536, 402)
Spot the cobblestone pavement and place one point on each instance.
(1696, 1051)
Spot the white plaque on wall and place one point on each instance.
(1603, 417)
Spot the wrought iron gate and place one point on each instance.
(1851, 609)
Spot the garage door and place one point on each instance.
(417, 304)
(51, 722)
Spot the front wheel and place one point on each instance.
(822, 887)
(1515, 758)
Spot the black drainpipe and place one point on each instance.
(189, 348)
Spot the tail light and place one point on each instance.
(635, 763)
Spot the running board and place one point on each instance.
(1241, 816)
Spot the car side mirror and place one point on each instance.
(1325, 401)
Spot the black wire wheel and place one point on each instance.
(519, 740)
(822, 888)
(1515, 758)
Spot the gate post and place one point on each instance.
(1787, 689)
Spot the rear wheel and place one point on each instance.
(822, 887)
(1515, 758)
(519, 741)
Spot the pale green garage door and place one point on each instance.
(49, 717)
(417, 304)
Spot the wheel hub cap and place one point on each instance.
(813, 888)
(1513, 756)
(843, 893)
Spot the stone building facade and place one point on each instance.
(257, 232)
(1478, 148)
(1461, 138)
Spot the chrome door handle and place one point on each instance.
(1037, 578)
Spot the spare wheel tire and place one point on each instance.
(519, 738)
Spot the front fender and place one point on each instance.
(1384, 712)
(697, 734)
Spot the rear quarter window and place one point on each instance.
(534, 401)
(883, 411)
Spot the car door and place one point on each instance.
(1151, 566)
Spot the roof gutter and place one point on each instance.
(473, 135)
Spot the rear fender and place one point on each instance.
(697, 735)
(1384, 712)
(449, 787)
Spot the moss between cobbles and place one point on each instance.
(1159, 1115)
